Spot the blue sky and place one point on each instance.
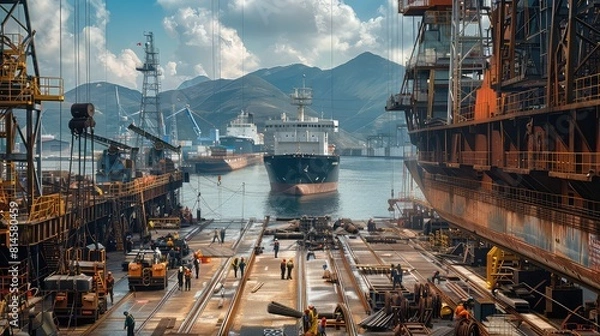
(215, 38)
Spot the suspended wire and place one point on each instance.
(88, 50)
(331, 106)
(243, 56)
(76, 37)
(240, 190)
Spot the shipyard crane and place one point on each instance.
(156, 156)
(189, 113)
(151, 117)
(114, 165)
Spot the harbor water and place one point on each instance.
(365, 185)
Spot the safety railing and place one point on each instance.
(122, 189)
(477, 158)
(558, 162)
(587, 88)
(518, 102)
(562, 209)
(45, 207)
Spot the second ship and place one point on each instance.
(303, 162)
(241, 146)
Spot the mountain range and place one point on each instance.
(353, 93)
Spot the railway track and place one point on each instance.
(133, 295)
(362, 289)
(216, 283)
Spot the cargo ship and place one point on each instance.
(241, 146)
(506, 125)
(303, 162)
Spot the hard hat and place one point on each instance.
(109, 273)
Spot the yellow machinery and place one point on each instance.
(81, 295)
(148, 270)
(499, 266)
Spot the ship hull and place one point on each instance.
(223, 164)
(302, 174)
(515, 225)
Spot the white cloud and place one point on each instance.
(86, 61)
(206, 47)
(225, 39)
(313, 32)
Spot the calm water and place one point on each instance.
(365, 185)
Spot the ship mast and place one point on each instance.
(302, 97)
(151, 118)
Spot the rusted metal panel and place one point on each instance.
(559, 247)
(594, 252)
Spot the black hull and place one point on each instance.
(302, 174)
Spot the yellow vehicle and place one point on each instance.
(148, 270)
(81, 294)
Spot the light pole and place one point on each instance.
(199, 210)
(243, 199)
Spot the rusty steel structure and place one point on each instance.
(506, 118)
(40, 226)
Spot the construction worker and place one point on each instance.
(399, 274)
(242, 267)
(460, 312)
(215, 236)
(283, 268)
(306, 320)
(222, 233)
(180, 274)
(290, 267)
(322, 326)
(394, 276)
(188, 279)
(235, 265)
(276, 247)
(314, 320)
(197, 266)
(110, 285)
(129, 323)
(436, 276)
(172, 258)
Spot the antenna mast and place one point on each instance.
(151, 118)
(302, 97)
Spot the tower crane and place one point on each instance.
(151, 118)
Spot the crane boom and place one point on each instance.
(190, 115)
(158, 142)
(196, 127)
(108, 142)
